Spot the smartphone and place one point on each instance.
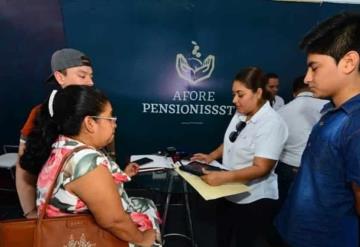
(142, 161)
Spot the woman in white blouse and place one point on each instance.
(251, 148)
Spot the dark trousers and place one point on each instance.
(245, 223)
(286, 175)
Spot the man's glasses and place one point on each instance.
(108, 118)
(239, 127)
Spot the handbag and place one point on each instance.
(79, 230)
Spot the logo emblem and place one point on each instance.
(82, 242)
(193, 69)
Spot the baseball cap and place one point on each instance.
(67, 58)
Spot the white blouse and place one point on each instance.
(264, 136)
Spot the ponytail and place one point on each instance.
(38, 144)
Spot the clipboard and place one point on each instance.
(196, 168)
(209, 192)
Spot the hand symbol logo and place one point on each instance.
(193, 69)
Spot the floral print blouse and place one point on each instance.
(141, 210)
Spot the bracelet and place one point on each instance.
(27, 213)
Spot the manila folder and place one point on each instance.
(209, 192)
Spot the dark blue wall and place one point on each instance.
(29, 35)
(134, 44)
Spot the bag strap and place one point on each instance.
(52, 186)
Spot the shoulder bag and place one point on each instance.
(79, 230)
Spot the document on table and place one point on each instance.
(209, 192)
(158, 163)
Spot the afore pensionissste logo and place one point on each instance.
(191, 102)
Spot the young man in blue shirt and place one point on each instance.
(323, 205)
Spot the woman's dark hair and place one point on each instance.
(254, 78)
(70, 106)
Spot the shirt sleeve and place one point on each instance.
(29, 124)
(270, 140)
(83, 162)
(87, 160)
(352, 158)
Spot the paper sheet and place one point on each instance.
(211, 192)
(158, 163)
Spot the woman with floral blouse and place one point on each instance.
(89, 181)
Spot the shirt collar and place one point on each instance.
(349, 106)
(305, 94)
(327, 107)
(264, 108)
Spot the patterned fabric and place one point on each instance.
(141, 210)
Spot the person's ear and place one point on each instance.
(89, 124)
(60, 77)
(350, 62)
(259, 93)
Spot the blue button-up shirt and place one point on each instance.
(320, 209)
